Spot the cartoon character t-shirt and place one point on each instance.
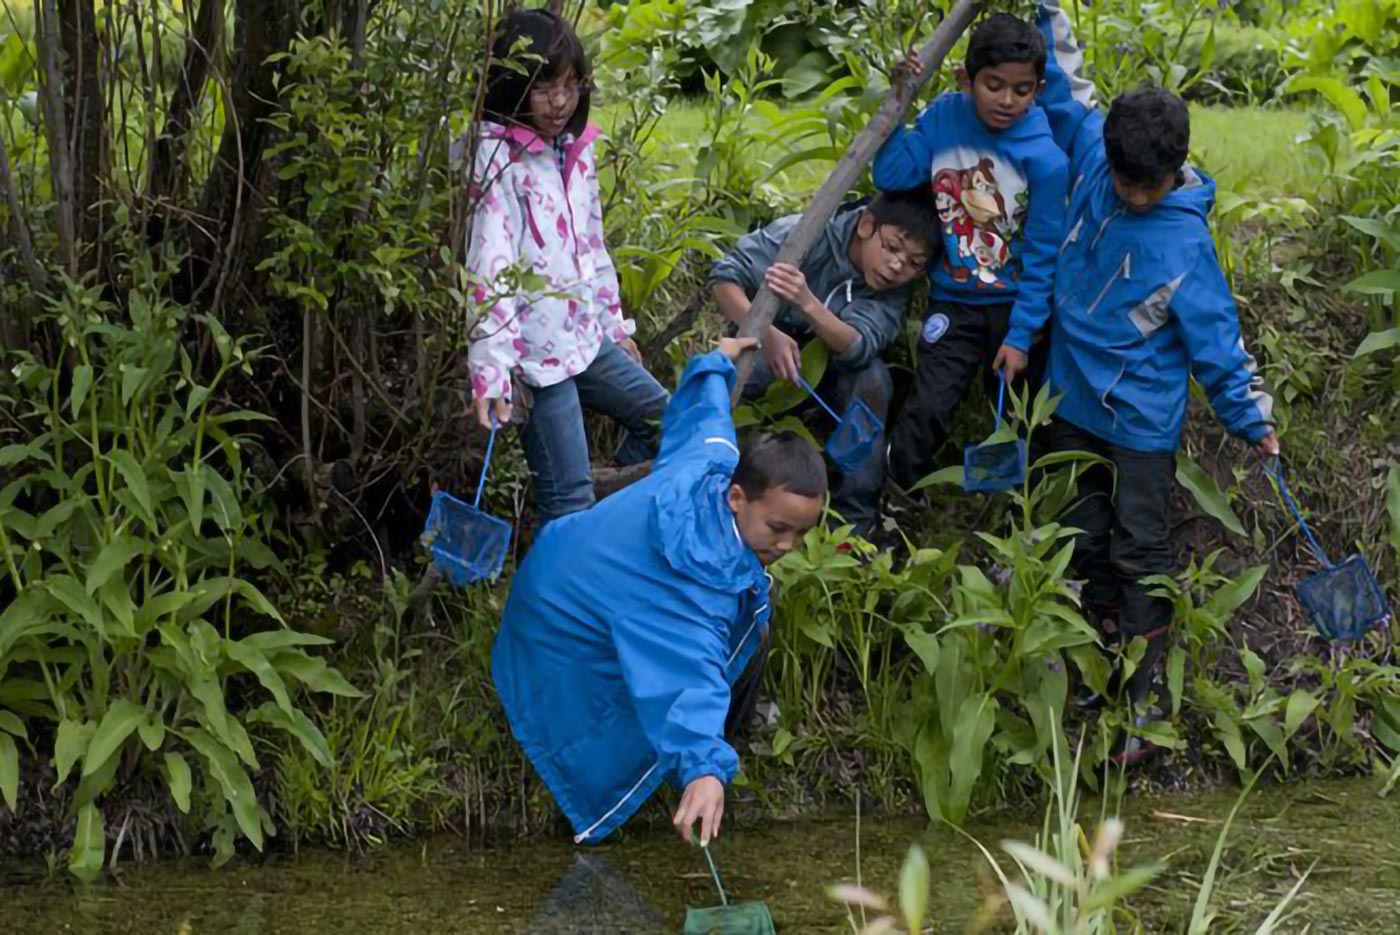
(1000, 198)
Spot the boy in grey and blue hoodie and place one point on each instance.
(999, 182)
(850, 293)
(1141, 307)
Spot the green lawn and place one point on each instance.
(1250, 149)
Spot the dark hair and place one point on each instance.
(911, 209)
(1004, 38)
(1147, 135)
(534, 45)
(781, 459)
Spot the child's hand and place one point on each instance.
(703, 801)
(1268, 447)
(909, 68)
(1010, 362)
(629, 347)
(483, 407)
(788, 283)
(783, 354)
(733, 347)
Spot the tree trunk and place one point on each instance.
(14, 326)
(56, 135)
(824, 204)
(200, 49)
(87, 123)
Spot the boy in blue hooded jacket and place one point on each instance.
(999, 184)
(630, 624)
(1141, 307)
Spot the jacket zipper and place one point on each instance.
(1124, 269)
(587, 832)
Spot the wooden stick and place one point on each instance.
(828, 198)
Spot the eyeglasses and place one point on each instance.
(559, 90)
(900, 253)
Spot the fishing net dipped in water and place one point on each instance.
(746, 918)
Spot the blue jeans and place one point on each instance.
(856, 497)
(556, 445)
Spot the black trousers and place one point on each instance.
(1124, 540)
(743, 696)
(943, 372)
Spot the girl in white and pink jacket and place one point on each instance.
(537, 210)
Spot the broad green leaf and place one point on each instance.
(1301, 704)
(10, 455)
(177, 774)
(313, 672)
(1375, 227)
(1208, 496)
(9, 771)
(89, 844)
(255, 662)
(255, 598)
(117, 724)
(269, 641)
(1272, 735)
(233, 781)
(135, 477)
(1378, 341)
(82, 382)
(949, 475)
(1106, 894)
(113, 558)
(70, 744)
(1392, 505)
(1176, 676)
(152, 731)
(313, 741)
(913, 888)
(190, 484)
(925, 646)
(1376, 282)
(1253, 666)
(1228, 730)
(13, 725)
(71, 594)
(1337, 93)
(132, 378)
(1233, 595)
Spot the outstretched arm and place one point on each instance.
(1069, 99)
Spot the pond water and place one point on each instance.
(1345, 831)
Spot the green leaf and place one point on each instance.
(113, 558)
(72, 596)
(297, 724)
(255, 662)
(82, 382)
(135, 478)
(1392, 506)
(1207, 56)
(1352, 107)
(949, 475)
(233, 780)
(70, 744)
(1377, 282)
(13, 725)
(313, 672)
(1228, 730)
(913, 888)
(132, 378)
(1208, 496)
(190, 484)
(1378, 341)
(1301, 705)
(177, 774)
(1107, 893)
(269, 641)
(256, 599)
(925, 646)
(1375, 227)
(89, 844)
(121, 719)
(9, 771)
(1233, 595)
(152, 731)
(1176, 676)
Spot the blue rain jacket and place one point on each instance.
(1141, 304)
(628, 623)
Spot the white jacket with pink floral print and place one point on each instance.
(532, 212)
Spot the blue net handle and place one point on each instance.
(486, 464)
(714, 872)
(1274, 468)
(1001, 398)
(820, 402)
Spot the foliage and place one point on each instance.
(130, 535)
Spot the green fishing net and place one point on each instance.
(737, 919)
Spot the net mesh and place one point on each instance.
(467, 545)
(1344, 601)
(752, 918)
(994, 466)
(856, 436)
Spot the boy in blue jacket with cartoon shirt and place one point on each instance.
(1141, 307)
(999, 183)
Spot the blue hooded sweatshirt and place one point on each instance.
(628, 623)
(1001, 204)
(1141, 305)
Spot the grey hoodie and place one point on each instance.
(877, 317)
